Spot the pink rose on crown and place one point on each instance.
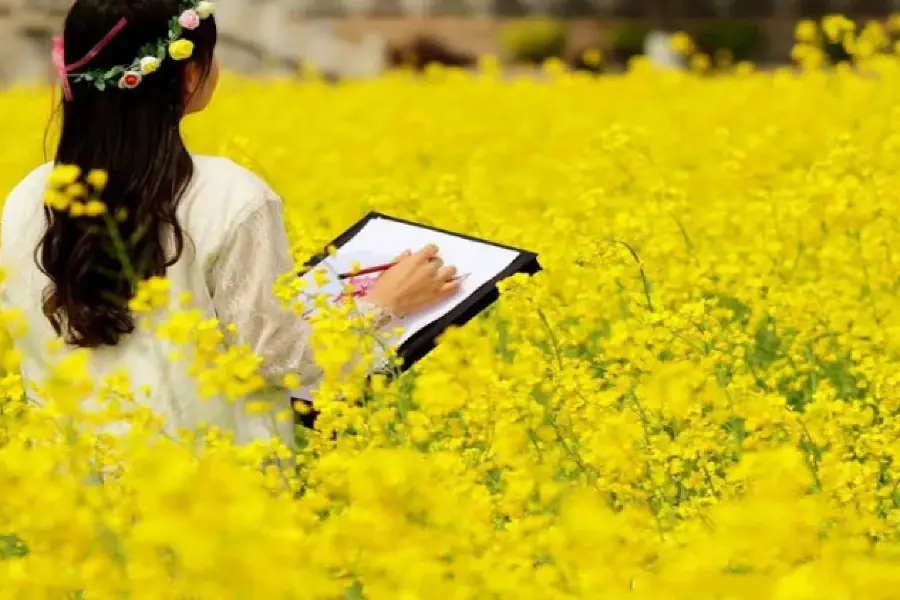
(189, 19)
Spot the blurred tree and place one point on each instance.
(534, 40)
(626, 41)
(737, 40)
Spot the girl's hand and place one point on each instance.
(416, 282)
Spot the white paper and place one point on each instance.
(478, 262)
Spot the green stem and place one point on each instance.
(121, 250)
(644, 280)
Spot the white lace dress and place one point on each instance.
(236, 249)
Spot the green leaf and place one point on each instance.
(100, 84)
(11, 546)
(354, 592)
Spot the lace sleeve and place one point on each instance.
(242, 281)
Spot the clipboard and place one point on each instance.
(424, 340)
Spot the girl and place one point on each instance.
(129, 76)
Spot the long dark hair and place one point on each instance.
(134, 135)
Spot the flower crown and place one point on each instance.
(131, 75)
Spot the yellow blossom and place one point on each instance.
(592, 57)
(97, 179)
(806, 31)
(94, 208)
(291, 381)
(76, 190)
(682, 43)
(77, 209)
(64, 175)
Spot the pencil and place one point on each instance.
(367, 271)
(380, 268)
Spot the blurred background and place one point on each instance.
(362, 38)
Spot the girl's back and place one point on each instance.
(220, 202)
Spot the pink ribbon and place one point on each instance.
(58, 56)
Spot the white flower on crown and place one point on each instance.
(149, 64)
(205, 8)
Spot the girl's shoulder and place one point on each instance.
(222, 194)
(29, 191)
(22, 218)
(225, 174)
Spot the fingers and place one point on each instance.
(402, 255)
(450, 287)
(446, 274)
(427, 253)
(448, 282)
(444, 279)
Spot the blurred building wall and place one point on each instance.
(594, 8)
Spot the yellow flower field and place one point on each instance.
(697, 398)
